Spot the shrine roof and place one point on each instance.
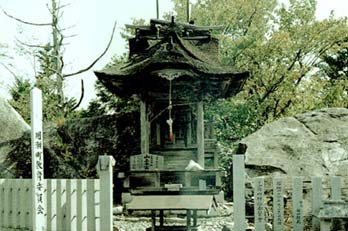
(171, 51)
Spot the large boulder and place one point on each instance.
(310, 144)
(12, 127)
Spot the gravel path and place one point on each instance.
(129, 223)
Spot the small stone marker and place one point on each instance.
(259, 205)
(239, 192)
(298, 204)
(278, 204)
(317, 192)
(38, 192)
(336, 188)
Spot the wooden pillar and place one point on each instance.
(158, 134)
(144, 129)
(200, 134)
(194, 218)
(188, 219)
(189, 129)
(161, 218)
(153, 220)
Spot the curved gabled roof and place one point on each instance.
(185, 55)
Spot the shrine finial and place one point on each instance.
(157, 9)
(188, 11)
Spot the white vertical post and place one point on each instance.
(16, 203)
(71, 202)
(259, 204)
(104, 167)
(22, 200)
(28, 204)
(239, 192)
(2, 202)
(51, 204)
(91, 211)
(82, 204)
(278, 204)
(38, 202)
(7, 204)
(297, 201)
(61, 205)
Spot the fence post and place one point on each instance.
(104, 168)
(239, 192)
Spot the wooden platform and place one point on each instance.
(173, 228)
(171, 202)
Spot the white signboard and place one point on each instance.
(39, 205)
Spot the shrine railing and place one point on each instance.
(148, 174)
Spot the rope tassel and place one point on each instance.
(171, 135)
(170, 120)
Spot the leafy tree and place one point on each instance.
(279, 44)
(334, 67)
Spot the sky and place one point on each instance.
(92, 22)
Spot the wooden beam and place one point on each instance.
(200, 134)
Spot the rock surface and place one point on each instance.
(12, 126)
(309, 144)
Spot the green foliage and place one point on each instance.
(71, 149)
(280, 45)
(334, 67)
(47, 82)
(20, 100)
(233, 120)
(108, 103)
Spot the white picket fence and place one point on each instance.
(278, 188)
(71, 204)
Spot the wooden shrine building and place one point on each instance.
(173, 68)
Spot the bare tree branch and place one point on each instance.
(25, 22)
(30, 45)
(97, 59)
(81, 97)
(70, 36)
(63, 6)
(68, 28)
(9, 70)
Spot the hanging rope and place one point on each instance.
(170, 120)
